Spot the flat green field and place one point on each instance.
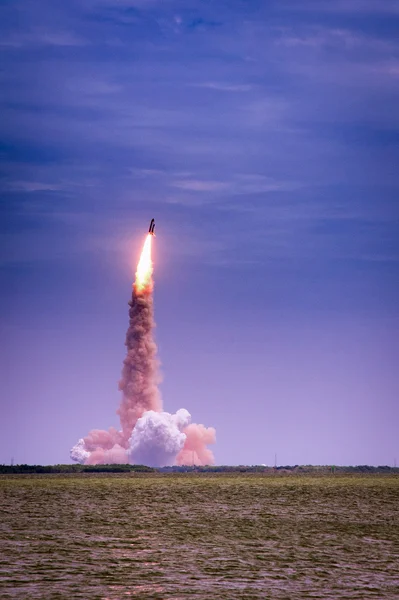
(180, 536)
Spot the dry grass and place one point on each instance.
(199, 536)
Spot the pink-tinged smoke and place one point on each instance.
(195, 451)
(147, 435)
(139, 381)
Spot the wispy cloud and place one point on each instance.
(345, 6)
(201, 23)
(224, 87)
(33, 186)
(42, 38)
(125, 3)
(240, 184)
(390, 68)
(196, 185)
(147, 173)
(327, 37)
(92, 86)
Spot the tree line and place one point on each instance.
(127, 468)
(74, 468)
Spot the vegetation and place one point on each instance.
(296, 469)
(200, 536)
(75, 468)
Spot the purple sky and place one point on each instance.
(263, 136)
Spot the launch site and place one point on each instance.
(200, 300)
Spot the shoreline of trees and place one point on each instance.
(127, 468)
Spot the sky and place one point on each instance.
(263, 137)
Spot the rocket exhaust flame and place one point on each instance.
(160, 438)
(144, 271)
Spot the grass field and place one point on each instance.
(199, 536)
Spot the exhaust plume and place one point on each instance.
(158, 437)
(195, 451)
(139, 382)
(147, 435)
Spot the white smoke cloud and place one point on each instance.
(182, 418)
(157, 438)
(79, 453)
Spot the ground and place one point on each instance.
(115, 536)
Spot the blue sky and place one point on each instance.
(263, 138)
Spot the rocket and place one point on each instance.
(152, 227)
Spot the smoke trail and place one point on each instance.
(147, 435)
(139, 382)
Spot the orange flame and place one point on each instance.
(144, 268)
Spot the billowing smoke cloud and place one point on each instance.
(148, 435)
(158, 437)
(79, 452)
(195, 451)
